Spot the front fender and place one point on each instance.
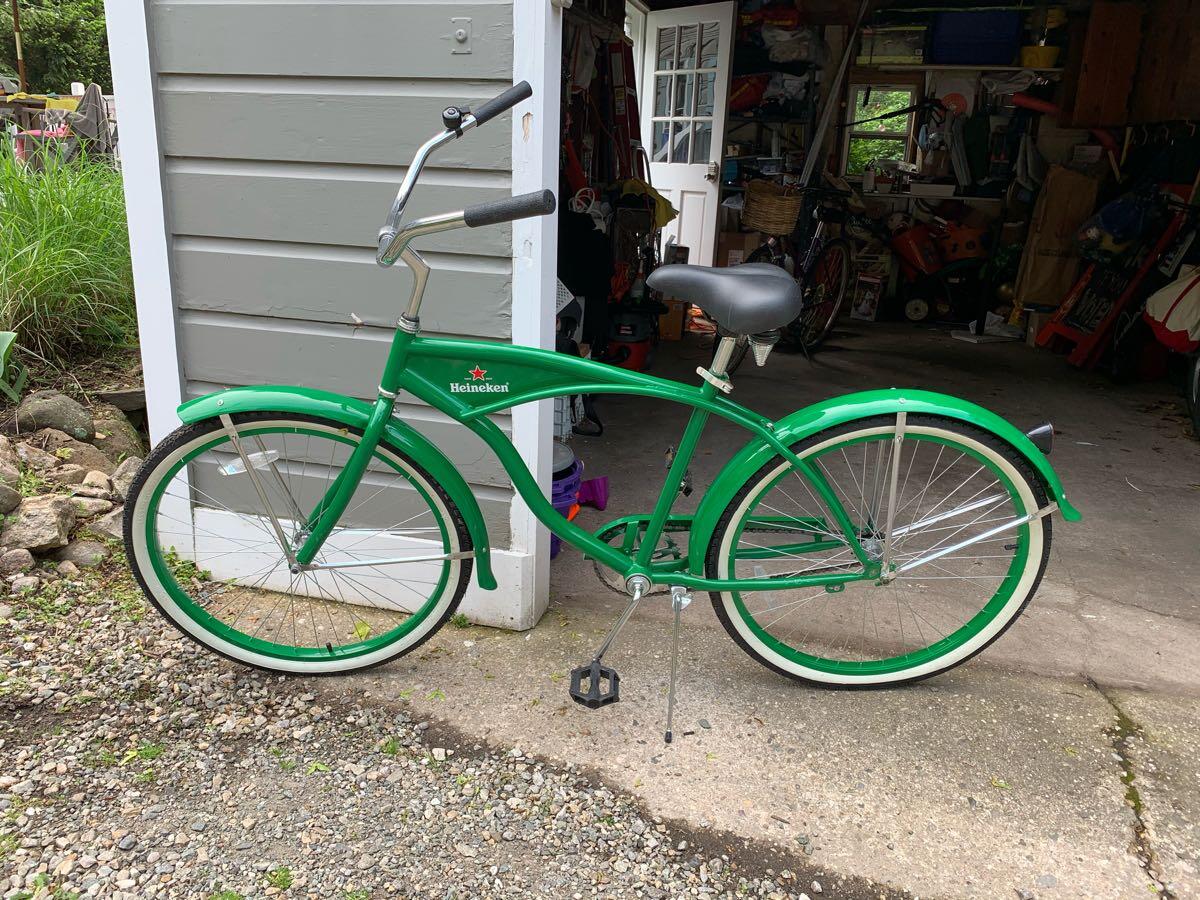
(839, 410)
(355, 413)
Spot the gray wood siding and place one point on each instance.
(323, 205)
(347, 39)
(467, 295)
(322, 120)
(285, 127)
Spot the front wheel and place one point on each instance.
(961, 493)
(213, 515)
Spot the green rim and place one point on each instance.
(218, 628)
(916, 658)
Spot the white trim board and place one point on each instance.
(142, 173)
(537, 49)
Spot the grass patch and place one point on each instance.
(66, 280)
(281, 878)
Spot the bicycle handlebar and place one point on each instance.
(503, 102)
(537, 203)
(393, 238)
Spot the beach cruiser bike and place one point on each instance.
(870, 539)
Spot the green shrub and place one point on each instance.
(66, 281)
(64, 41)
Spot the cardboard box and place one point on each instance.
(672, 322)
(1049, 264)
(734, 246)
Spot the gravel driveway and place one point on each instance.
(134, 765)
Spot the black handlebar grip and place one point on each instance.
(538, 203)
(502, 102)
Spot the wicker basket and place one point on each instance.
(771, 208)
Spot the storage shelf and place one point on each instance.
(945, 67)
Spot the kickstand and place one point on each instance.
(680, 597)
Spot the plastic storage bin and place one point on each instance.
(983, 38)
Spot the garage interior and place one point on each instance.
(1006, 214)
(1019, 232)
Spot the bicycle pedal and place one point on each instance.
(595, 685)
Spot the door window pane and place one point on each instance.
(701, 141)
(662, 95)
(688, 37)
(661, 131)
(684, 87)
(681, 143)
(705, 83)
(666, 49)
(708, 45)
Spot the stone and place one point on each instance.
(23, 583)
(68, 450)
(110, 525)
(125, 399)
(6, 612)
(9, 499)
(99, 481)
(86, 507)
(35, 457)
(10, 463)
(66, 475)
(123, 475)
(82, 490)
(83, 553)
(67, 569)
(115, 436)
(52, 409)
(40, 524)
(16, 561)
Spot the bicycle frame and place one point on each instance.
(470, 380)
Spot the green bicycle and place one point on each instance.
(871, 539)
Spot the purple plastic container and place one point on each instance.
(563, 495)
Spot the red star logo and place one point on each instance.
(477, 373)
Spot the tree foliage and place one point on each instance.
(64, 41)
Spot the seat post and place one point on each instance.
(723, 355)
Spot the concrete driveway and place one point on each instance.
(1063, 762)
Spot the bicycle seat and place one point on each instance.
(745, 299)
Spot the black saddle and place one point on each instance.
(745, 299)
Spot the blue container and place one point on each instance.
(983, 38)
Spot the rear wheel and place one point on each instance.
(954, 484)
(825, 286)
(204, 540)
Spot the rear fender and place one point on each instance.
(839, 410)
(354, 414)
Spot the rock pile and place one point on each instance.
(64, 473)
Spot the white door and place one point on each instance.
(685, 88)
